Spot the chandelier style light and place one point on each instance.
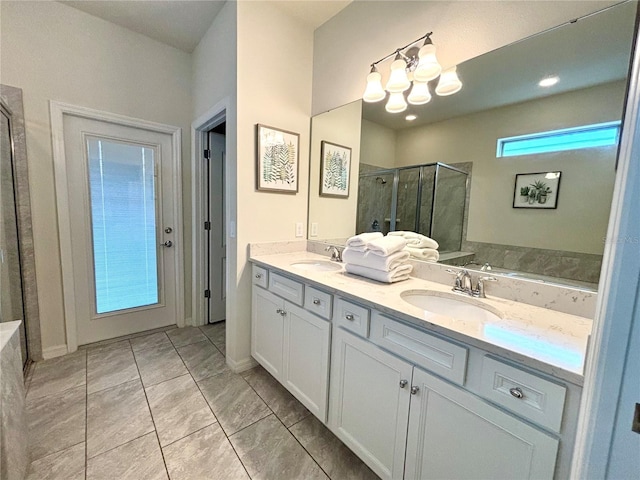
(414, 72)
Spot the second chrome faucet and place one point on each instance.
(464, 284)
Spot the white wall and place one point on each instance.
(336, 217)
(364, 32)
(579, 224)
(378, 145)
(274, 88)
(55, 52)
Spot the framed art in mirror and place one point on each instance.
(335, 168)
(277, 159)
(536, 190)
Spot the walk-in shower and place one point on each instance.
(428, 199)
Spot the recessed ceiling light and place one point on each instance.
(410, 118)
(548, 81)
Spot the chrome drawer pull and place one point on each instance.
(349, 317)
(258, 275)
(403, 383)
(516, 392)
(415, 389)
(316, 301)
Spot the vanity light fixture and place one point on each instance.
(411, 70)
(549, 81)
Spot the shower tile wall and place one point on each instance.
(426, 201)
(407, 199)
(374, 201)
(448, 221)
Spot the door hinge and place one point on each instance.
(207, 225)
(207, 294)
(207, 154)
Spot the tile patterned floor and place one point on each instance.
(164, 405)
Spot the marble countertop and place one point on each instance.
(7, 329)
(546, 340)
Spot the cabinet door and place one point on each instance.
(454, 434)
(369, 402)
(306, 362)
(267, 331)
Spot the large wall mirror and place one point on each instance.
(534, 206)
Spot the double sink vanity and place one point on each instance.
(418, 381)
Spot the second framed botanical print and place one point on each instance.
(335, 168)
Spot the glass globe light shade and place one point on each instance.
(396, 103)
(374, 91)
(428, 67)
(398, 81)
(449, 83)
(419, 94)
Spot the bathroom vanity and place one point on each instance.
(420, 382)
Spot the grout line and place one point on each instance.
(155, 428)
(192, 433)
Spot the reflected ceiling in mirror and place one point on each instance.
(501, 98)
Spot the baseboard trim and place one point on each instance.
(242, 365)
(55, 351)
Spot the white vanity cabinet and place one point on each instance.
(291, 343)
(454, 434)
(382, 406)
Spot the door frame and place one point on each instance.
(57, 112)
(199, 128)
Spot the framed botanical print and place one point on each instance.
(536, 190)
(335, 168)
(277, 159)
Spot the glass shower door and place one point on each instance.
(375, 197)
(11, 298)
(448, 209)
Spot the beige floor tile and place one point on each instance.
(140, 459)
(185, 336)
(216, 333)
(178, 409)
(108, 367)
(158, 364)
(203, 359)
(288, 409)
(58, 374)
(204, 454)
(56, 422)
(149, 341)
(329, 452)
(116, 416)
(65, 465)
(233, 401)
(268, 451)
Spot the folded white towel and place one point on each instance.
(416, 240)
(360, 249)
(429, 254)
(363, 239)
(387, 245)
(396, 275)
(371, 260)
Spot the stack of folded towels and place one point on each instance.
(419, 246)
(377, 257)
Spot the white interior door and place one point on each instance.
(122, 201)
(216, 234)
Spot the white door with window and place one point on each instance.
(122, 208)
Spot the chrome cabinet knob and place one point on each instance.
(316, 301)
(258, 275)
(280, 311)
(415, 389)
(349, 317)
(516, 392)
(403, 383)
(167, 244)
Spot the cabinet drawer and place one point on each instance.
(440, 356)
(286, 288)
(318, 302)
(352, 317)
(260, 276)
(523, 393)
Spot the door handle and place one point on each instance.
(167, 244)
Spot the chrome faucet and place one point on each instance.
(484, 267)
(336, 254)
(464, 284)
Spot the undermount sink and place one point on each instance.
(451, 305)
(317, 266)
